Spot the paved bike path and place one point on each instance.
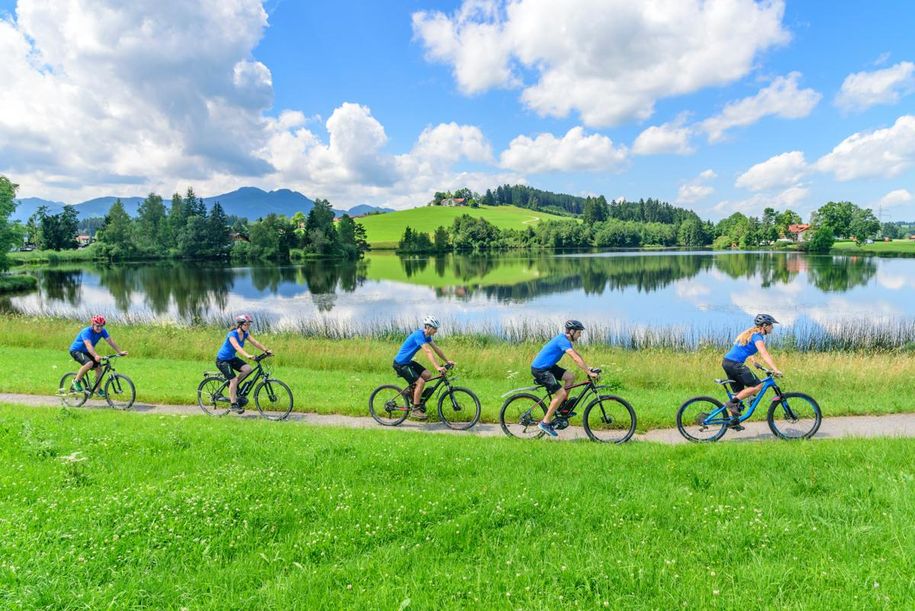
(892, 425)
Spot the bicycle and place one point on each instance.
(607, 419)
(118, 391)
(390, 404)
(272, 397)
(791, 415)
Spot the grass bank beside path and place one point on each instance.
(336, 376)
(896, 247)
(385, 230)
(100, 509)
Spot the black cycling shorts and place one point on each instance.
(410, 372)
(741, 374)
(227, 367)
(83, 357)
(550, 378)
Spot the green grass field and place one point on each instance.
(896, 247)
(337, 376)
(112, 510)
(385, 230)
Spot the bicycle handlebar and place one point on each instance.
(263, 355)
(768, 371)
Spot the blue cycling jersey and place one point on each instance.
(411, 345)
(552, 352)
(89, 334)
(739, 353)
(227, 351)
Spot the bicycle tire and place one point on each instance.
(457, 414)
(276, 393)
(520, 414)
(120, 393)
(614, 419)
(690, 425)
(388, 405)
(803, 412)
(211, 388)
(69, 396)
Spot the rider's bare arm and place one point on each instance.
(761, 346)
(115, 346)
(580, 362)
(234, 341)
(428, 350)
(257, 344)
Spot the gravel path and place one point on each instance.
(893, 425)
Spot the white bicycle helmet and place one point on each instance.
(431, 321)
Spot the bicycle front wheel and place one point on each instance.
(120, 391)
(69, 395)
(609, 419)
(702, 419)
(794, 415)
(213, 396)
(389, 405)
(459, 408)
(520, 415)
(273, 399)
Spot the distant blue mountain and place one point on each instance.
(247, 202)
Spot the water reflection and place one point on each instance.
(640, 287)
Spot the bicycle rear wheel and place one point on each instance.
(388, 405)
(120, 391)
(273, 399)
(702, 419)
(794, 415)
(520, 415)
(609, 419)
(459, 408)
(69, 395)
(212, 396)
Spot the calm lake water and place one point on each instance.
(492, 293)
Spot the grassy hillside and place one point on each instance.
(896, 247)
(108, 510)
(385, 230)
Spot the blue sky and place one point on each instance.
(724, 106)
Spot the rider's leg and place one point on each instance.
(749, 391)
(82, 370)
(558, 398)
(420, 385)
(234, 382)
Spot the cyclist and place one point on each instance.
(413, 372)
(227, 360)
(747, 344)
(83, 350)
(547, 373)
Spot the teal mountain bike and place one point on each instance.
(792, 415)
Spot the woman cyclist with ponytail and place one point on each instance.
(747, 344)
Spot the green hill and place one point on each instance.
(385, 230)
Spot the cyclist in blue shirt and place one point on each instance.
(546, 372)
(83, 350)
(413, 372)
(747, 344)
(227, 360)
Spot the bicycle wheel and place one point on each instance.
(702, 419)
(609, 419)
(794, 415)
(388, 405)
(273, 399)
(213, 396)
(69, 395)
(120, 391)
(459, 408)
(520, 415)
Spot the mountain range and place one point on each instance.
(247, 202)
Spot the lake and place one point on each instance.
(695, 294)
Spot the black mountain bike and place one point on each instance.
(271, 396)
(118, 389)
(458, 407)
(607, 418)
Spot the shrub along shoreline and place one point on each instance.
(337, 375)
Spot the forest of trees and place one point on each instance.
(186, 229)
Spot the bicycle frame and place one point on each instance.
(104, 368)
(442, 378)
(247, 384)
(715, 418)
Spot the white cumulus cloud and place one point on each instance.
(861, 90)
(671, 138)
(696, 189)
(781, 98)
(574, 151)
(884, 152)
(607, 60)
(779, 171)
(896, 197)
